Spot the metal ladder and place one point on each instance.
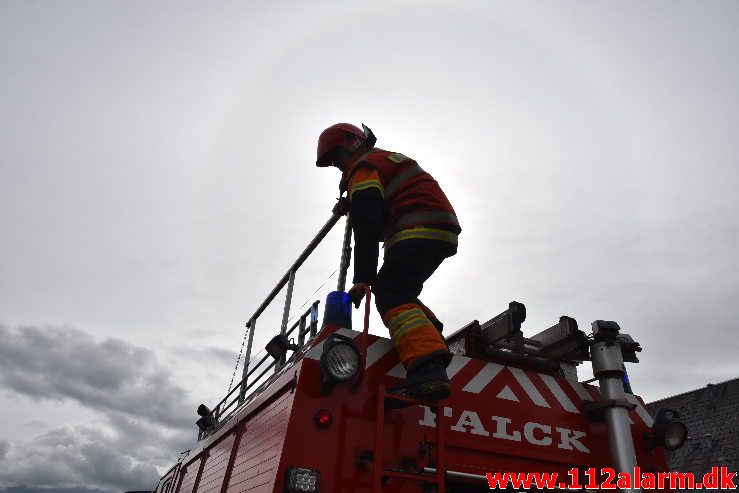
(379, 472)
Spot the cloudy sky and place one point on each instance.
(157, 179)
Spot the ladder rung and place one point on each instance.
(379, 472)
(392, 473)
(410, 400)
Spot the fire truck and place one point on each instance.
(314, 414)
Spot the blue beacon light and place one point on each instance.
(338, 310)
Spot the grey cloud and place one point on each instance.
(146, 423)
(74, 457)
(123, 455)
(208, 355)
(34, 424)
(204, 333)
(150, 443)
(111, 375)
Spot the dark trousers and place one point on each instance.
(407, 265)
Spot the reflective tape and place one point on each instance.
(364, 185)
(425, 217)
(411, 325)
(394, 322)
(401, 178)
(423, 234)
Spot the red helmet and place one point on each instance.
(341, 134)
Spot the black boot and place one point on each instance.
(426, 381)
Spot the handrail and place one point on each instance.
(244, 385)
(296, 265)
(304, 329)
(290, 277)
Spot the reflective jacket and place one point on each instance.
(392, 199)
(412, 198)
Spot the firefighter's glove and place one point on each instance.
(341, 207)
(357, 293)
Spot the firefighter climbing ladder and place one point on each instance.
(500, 339)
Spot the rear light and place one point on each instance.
(300, 480)
(323, 418)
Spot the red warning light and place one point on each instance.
(323, 418)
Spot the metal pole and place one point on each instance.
(314, 319)
(288, 300)
(346, 255)
(619, 429)
(608, 364)
(285, 314)
(252, 327)
(301, 332)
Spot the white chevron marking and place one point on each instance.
(528, 387)
(551, 382)
(483, 377)
(377, 350)
(597, 391)
(507, 394)
(580, 389)
(457, 364)
(315, 352)
(397, 371)
(640, 410)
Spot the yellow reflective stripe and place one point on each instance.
(412, 219)
(394, 323)
(423, 234)
(411, 325)
(399, 328)
(402, 177)
(363, 185)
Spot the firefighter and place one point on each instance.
(391, 199)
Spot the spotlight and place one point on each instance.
(340, 361)
(667, 431)
(278, 346)
(207, 421)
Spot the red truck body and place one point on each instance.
(500, 417)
